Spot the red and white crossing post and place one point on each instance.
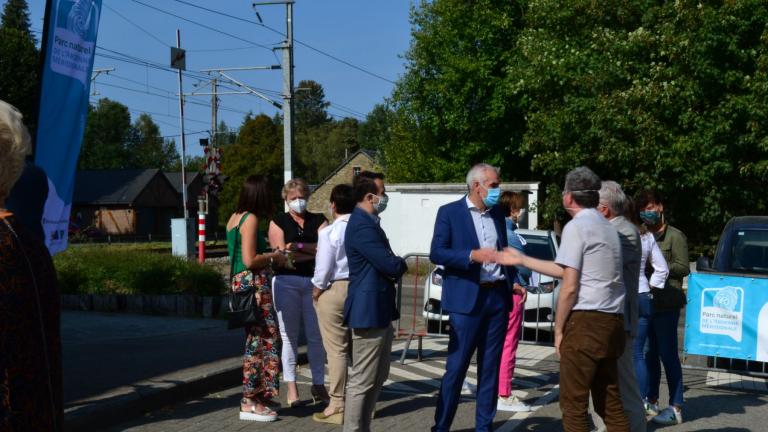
(201, 230)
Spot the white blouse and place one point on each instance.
(660, 269)
(331, 259)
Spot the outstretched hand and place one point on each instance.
(510, 257)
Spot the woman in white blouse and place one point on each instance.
(651, 258)
(330, 281)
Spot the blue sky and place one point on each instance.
(370, 34)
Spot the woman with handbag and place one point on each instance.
(251, 264)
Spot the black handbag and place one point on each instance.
(243, 309)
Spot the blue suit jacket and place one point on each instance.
(453, 240)
(373, 269)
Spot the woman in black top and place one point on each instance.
(296, 233)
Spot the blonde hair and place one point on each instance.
(14, 146)
(294, 184)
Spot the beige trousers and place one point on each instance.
(370, 368)
(330, 316)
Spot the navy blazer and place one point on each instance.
(454, 238)
(373, 270)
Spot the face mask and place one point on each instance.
(493, 196)
(298, 205)
(650, 218)
(381, 205)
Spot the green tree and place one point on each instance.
(146, 148)
(19, 61)
(258, 150)
(667, 95)
(310, 106)
(325, 147)
(376, 131)
(452, 104)
(106, 131)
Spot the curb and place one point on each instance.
(126, 403)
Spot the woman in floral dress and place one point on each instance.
(251, 263)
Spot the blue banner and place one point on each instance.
(727, 316)
(72, 27)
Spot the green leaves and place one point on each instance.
(667, 95)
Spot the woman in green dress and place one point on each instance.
(252, 263)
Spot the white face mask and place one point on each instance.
(298, 205)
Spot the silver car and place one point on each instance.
(542, 290)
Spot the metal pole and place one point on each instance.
(288, 94)
(183, 140)
(214, 113)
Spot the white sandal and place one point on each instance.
(265, 415)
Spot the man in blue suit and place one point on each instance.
(370, 306)
(476, 293)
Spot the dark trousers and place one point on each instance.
(592, 343)
(483, 329)
(662, 344)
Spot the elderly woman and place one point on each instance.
(30, 343)
(296, 232)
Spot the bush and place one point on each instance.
(111, 270)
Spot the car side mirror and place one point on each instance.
(703, 264)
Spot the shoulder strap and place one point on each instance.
(237, 248)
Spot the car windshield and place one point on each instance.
(750, 251)
(539, 246)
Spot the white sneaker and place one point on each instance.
(468, 389)
(651, 409)
(669, 416)
(512, 403)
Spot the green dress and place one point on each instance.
(261, 363)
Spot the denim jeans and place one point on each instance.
(662, 343)
(644, 317)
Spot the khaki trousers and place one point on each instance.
(630, 394)
(370, 368)
(592, 343)
(330, 316)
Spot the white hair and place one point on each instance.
(14, 146)
(477, 173)
(612, 196)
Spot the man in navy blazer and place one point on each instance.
(476, 293)
(370, 306)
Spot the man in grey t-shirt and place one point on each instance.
(589, 324)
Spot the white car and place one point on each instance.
(542, 290)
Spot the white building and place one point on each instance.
(409, 220)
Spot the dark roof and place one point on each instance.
(175, 179)
(111, 186)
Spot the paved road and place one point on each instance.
(407, 403)
(714, 401)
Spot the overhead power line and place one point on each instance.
(205, 26)
(274, 30)
(129, 21)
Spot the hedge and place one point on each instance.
(120, 270)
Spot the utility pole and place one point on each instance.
(214, 112)
(288, 93)
(287, 85)
(181, 67)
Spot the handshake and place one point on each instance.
(507, 257)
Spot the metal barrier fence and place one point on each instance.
(421, 314)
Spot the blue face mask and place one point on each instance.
(650, 218)
(493, 197)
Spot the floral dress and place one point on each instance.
(261, 362)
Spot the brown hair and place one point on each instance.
(509, 201)
(255, 197)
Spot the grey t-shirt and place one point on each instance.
(590, 244)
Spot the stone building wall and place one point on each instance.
(318, 202)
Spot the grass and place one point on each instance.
(133, 269)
